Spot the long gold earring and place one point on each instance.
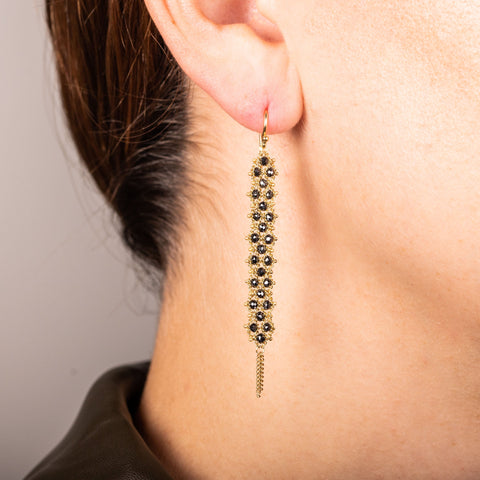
(261, 240)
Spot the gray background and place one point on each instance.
(70, 304)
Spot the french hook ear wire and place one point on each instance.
(263, 136)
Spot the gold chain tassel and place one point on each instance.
(260, 368)
(260, 302)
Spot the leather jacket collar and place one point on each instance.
(103, 442)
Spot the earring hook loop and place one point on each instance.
(263, 136)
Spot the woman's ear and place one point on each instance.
(237, 55)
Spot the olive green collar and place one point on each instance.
(103, 442)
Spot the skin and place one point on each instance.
(373, 371)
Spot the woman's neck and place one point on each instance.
(363, 379)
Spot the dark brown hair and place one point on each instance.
(125, 101)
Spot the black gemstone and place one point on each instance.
(260, 293)
(256, 216)
(255, 193)
(261, 272)
(264, 160)
(267, 283)
(263, 183)
(268, 239)
(266, 327)
(269, 217)
(270, 172)
(262, 206)
(261, 249)
(260, 338)
(254, 237)
(262, 226)
(267, 304)
(254, 282)
(253, 259)
(257, 172)
(253, 327)
(267, 260)
(260, 316)
(253, 304)
(269, 194)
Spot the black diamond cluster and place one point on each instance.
(261, 239)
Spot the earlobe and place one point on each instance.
(236, 55)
